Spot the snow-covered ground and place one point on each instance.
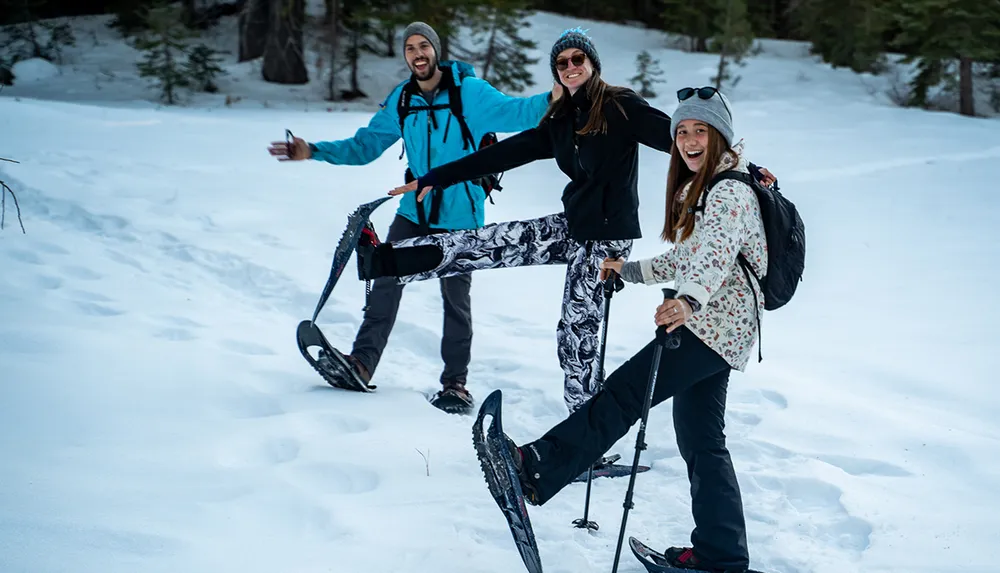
(155, 414)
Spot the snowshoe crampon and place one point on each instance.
(501, 478)
(654, 561)
(608, 468)
(328, 361)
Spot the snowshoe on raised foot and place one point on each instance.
(608, 468)
(337, 369)
(656, 562)
(331, 364)
(454, 399)
(502, 479)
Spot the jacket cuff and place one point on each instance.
(647, 271)
(632, 272)
(695, 291)
(313, 151)
(430, 179)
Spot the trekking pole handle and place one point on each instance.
(613, 282)
(669, 340)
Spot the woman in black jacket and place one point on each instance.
(594, 136)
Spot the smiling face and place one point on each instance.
(574, 68)
(692, 142)
(420, 57)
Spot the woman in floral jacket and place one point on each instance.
(715, 317)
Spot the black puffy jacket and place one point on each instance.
(601, 201)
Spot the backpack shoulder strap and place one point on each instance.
(455, 102)
(403, 103)
(732, 174)
(720, 177)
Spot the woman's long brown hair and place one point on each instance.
(679, 222)
(598, 91)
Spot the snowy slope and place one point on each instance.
(155, 414)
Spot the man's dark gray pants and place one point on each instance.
(383, 305)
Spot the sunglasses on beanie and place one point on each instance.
(706, 92)
(578, 59)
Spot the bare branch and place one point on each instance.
(427, 460)
(3, 208)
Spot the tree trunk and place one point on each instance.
(189, 13)
(355, 56)
(253, 29)
(284, 59)
(966, 102)
(333, 35)
(390, 41)
(490, 50)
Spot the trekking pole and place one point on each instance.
(663, 340)
(612, 284)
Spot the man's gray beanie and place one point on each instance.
(425, 31)
(713, 111)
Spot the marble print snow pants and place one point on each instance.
(542, 241)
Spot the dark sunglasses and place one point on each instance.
(577, 59)
(707, 92)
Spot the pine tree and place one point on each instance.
(164, 46)
(733, 41)
(942, 33)
(648, 73)
(130, 15)
(692, 19)
(203, 68)
(503, 57)
(30, 37)
(447, 17)
(845, 33)
(6, 73)
(991, 75)
(60, 36)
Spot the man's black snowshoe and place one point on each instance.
(502, 479)
(454, 399)
(331, 364)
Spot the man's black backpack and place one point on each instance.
(786, 242)
(489, 183)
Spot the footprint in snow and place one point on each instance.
(24, 256)
(125, 260)
(864, 467)
(251, 452)
(256, 406)
(775, 398)
(51, 248)
(337, 478)
(248, 348)
(175, 334)
(79, 272)
(813, 509)
(94, 309)
(46, 282)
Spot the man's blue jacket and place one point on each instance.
(432, 143)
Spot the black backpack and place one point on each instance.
(490, 182)
(786, 242)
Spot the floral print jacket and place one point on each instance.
(705, 268)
